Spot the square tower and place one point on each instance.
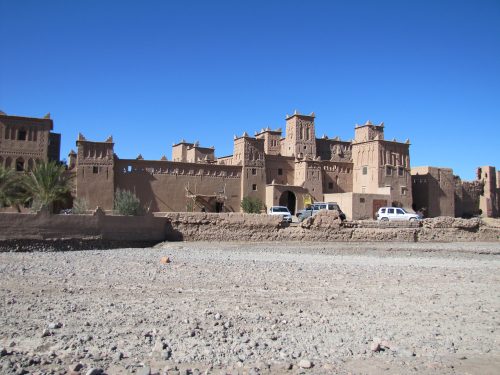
(300, 140)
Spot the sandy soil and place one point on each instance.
(322, 308)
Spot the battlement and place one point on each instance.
(368, 132)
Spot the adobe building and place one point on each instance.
(438, 192)
(25, 141)
(292, 169)
(434, 191)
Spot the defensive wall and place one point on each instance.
(43, 231)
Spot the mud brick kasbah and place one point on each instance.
(291, 168)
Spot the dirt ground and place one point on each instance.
(280, 308)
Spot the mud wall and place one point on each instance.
(42, 226)
(141, 231)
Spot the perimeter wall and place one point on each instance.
(142, 231)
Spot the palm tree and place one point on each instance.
(46, 184)
(7, 186)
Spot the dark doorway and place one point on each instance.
(219, 206)
(288, 199)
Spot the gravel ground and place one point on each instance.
(322, 308)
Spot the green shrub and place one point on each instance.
(126, 203)
(251, 205)
(80, 206)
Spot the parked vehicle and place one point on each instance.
(281, 210)
(316, 207)
(395, 214)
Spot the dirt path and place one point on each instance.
(364, 308)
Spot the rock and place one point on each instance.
(118, 356)
(305, 363)
(375, 346)
(159, 346)
(384, 344)
(55, 325)
(46, 333)
(93, 371)
(406, 352)
(170, 368)
(75, 367)
(3, 351)
(165, 260)
(285, 366)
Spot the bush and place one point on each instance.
(251, 205)
(80, 206)
(126, 203)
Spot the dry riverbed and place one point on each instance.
(321, 308)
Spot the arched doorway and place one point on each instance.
(288, 199)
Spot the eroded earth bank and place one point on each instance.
(360, 308)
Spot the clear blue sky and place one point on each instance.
(152, 72)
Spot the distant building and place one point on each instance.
(291, 169)
(437, 192)
(26, 140)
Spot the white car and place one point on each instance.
(395, 214)
(281, 210)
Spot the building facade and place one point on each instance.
(24, 141)
(291, 169)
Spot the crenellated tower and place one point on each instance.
(381, 166)
(249, 153)
(95, 172)
(300, 140)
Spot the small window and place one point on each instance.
(390, 210)
(365, 169)
(401, 171)
(254, 171)
(361, 200)
(95, 170)
(280, 172)
(254, 187)
(21, 135)
(404, 190)
(388, 170)
(330, 185)
(305, 147)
